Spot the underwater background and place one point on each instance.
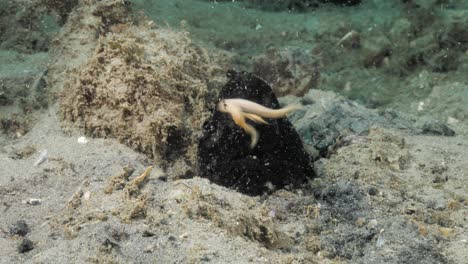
(114, 148)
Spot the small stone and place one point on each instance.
(440, 179)
(438, 204)
(313, 244)
(147, 233)
(163, 178)
(82, 140)
(372, 191)
(437, 129)
(410, 210)
(421, 106)
(422, 229)
(109, 244)
(205, 259)
(101, 216)
(25, 246)
(372, 223)
(453, 205)
(439, 169)
(452, 120)
(445, 231)
(20, 228)
(360, 221)
(33, 201)
(149, 248)
(307, 100)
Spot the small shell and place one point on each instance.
(32, 201)
(82, 140)
(87, 195)
(42, 158)
(421, 106)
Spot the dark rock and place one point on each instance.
(205, 259)
(19, 228)
(147, 233)
(224, 155)
(107, 245)
(372, 191)
(25, 246)
(163, 178)
(343, 118)
(437, 204)
(438, 129)
(440, 179)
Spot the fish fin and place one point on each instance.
(255, 118)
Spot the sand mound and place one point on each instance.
(144, 86)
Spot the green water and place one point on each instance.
(403, 78)
(249, 31)
(405, 49)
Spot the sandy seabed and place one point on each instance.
(396, 194)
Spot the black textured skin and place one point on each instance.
(224, 155)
